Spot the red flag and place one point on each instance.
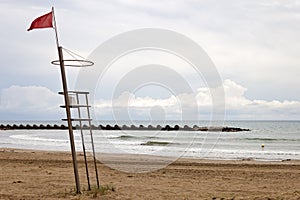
(44, 21)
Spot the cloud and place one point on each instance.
(253, 42)
(29, 102)
(238, 107)
(36, 103)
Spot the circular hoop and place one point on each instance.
(72, 63)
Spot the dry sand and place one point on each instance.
(49, 175)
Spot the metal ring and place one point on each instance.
(81, 63)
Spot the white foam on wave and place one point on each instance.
(37, 138)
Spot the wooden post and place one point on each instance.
(92, 140)
(83, 145)
(67, 103)
(68, 112)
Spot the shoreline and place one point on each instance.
(189, 159)
(35, 174)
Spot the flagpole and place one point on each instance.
(55, 29)
(67, 103)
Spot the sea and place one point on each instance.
(266, 140)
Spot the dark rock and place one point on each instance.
(101, 127)
(195, 127)
(187, 128)
(34, 126)
(49, 126)
(220, 129)
(63, 127)
(166, 128)
(108, 127)
(116, 127)
(55, 126)
(141, 127)
(22, 126)
(132, 127)
(150, 127)
(41, 126)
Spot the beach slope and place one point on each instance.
(49, 175)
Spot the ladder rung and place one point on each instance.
(79, 92)
(77, 106)
(74, 92)
(84, 119)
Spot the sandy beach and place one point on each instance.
(27, 174)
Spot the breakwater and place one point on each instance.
(124, 127)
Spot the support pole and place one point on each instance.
(68, 112)
(83, 144)
(67, 103)
(92, 141)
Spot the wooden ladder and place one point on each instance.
(79, 104)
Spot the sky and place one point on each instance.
(254, 45)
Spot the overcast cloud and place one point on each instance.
(254, 44)
(28, 101)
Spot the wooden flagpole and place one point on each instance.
(67, 103)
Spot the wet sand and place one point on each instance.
(27, 174)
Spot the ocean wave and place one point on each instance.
(126, 137)
(271, 139)
(35, 138)
(156, 143)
